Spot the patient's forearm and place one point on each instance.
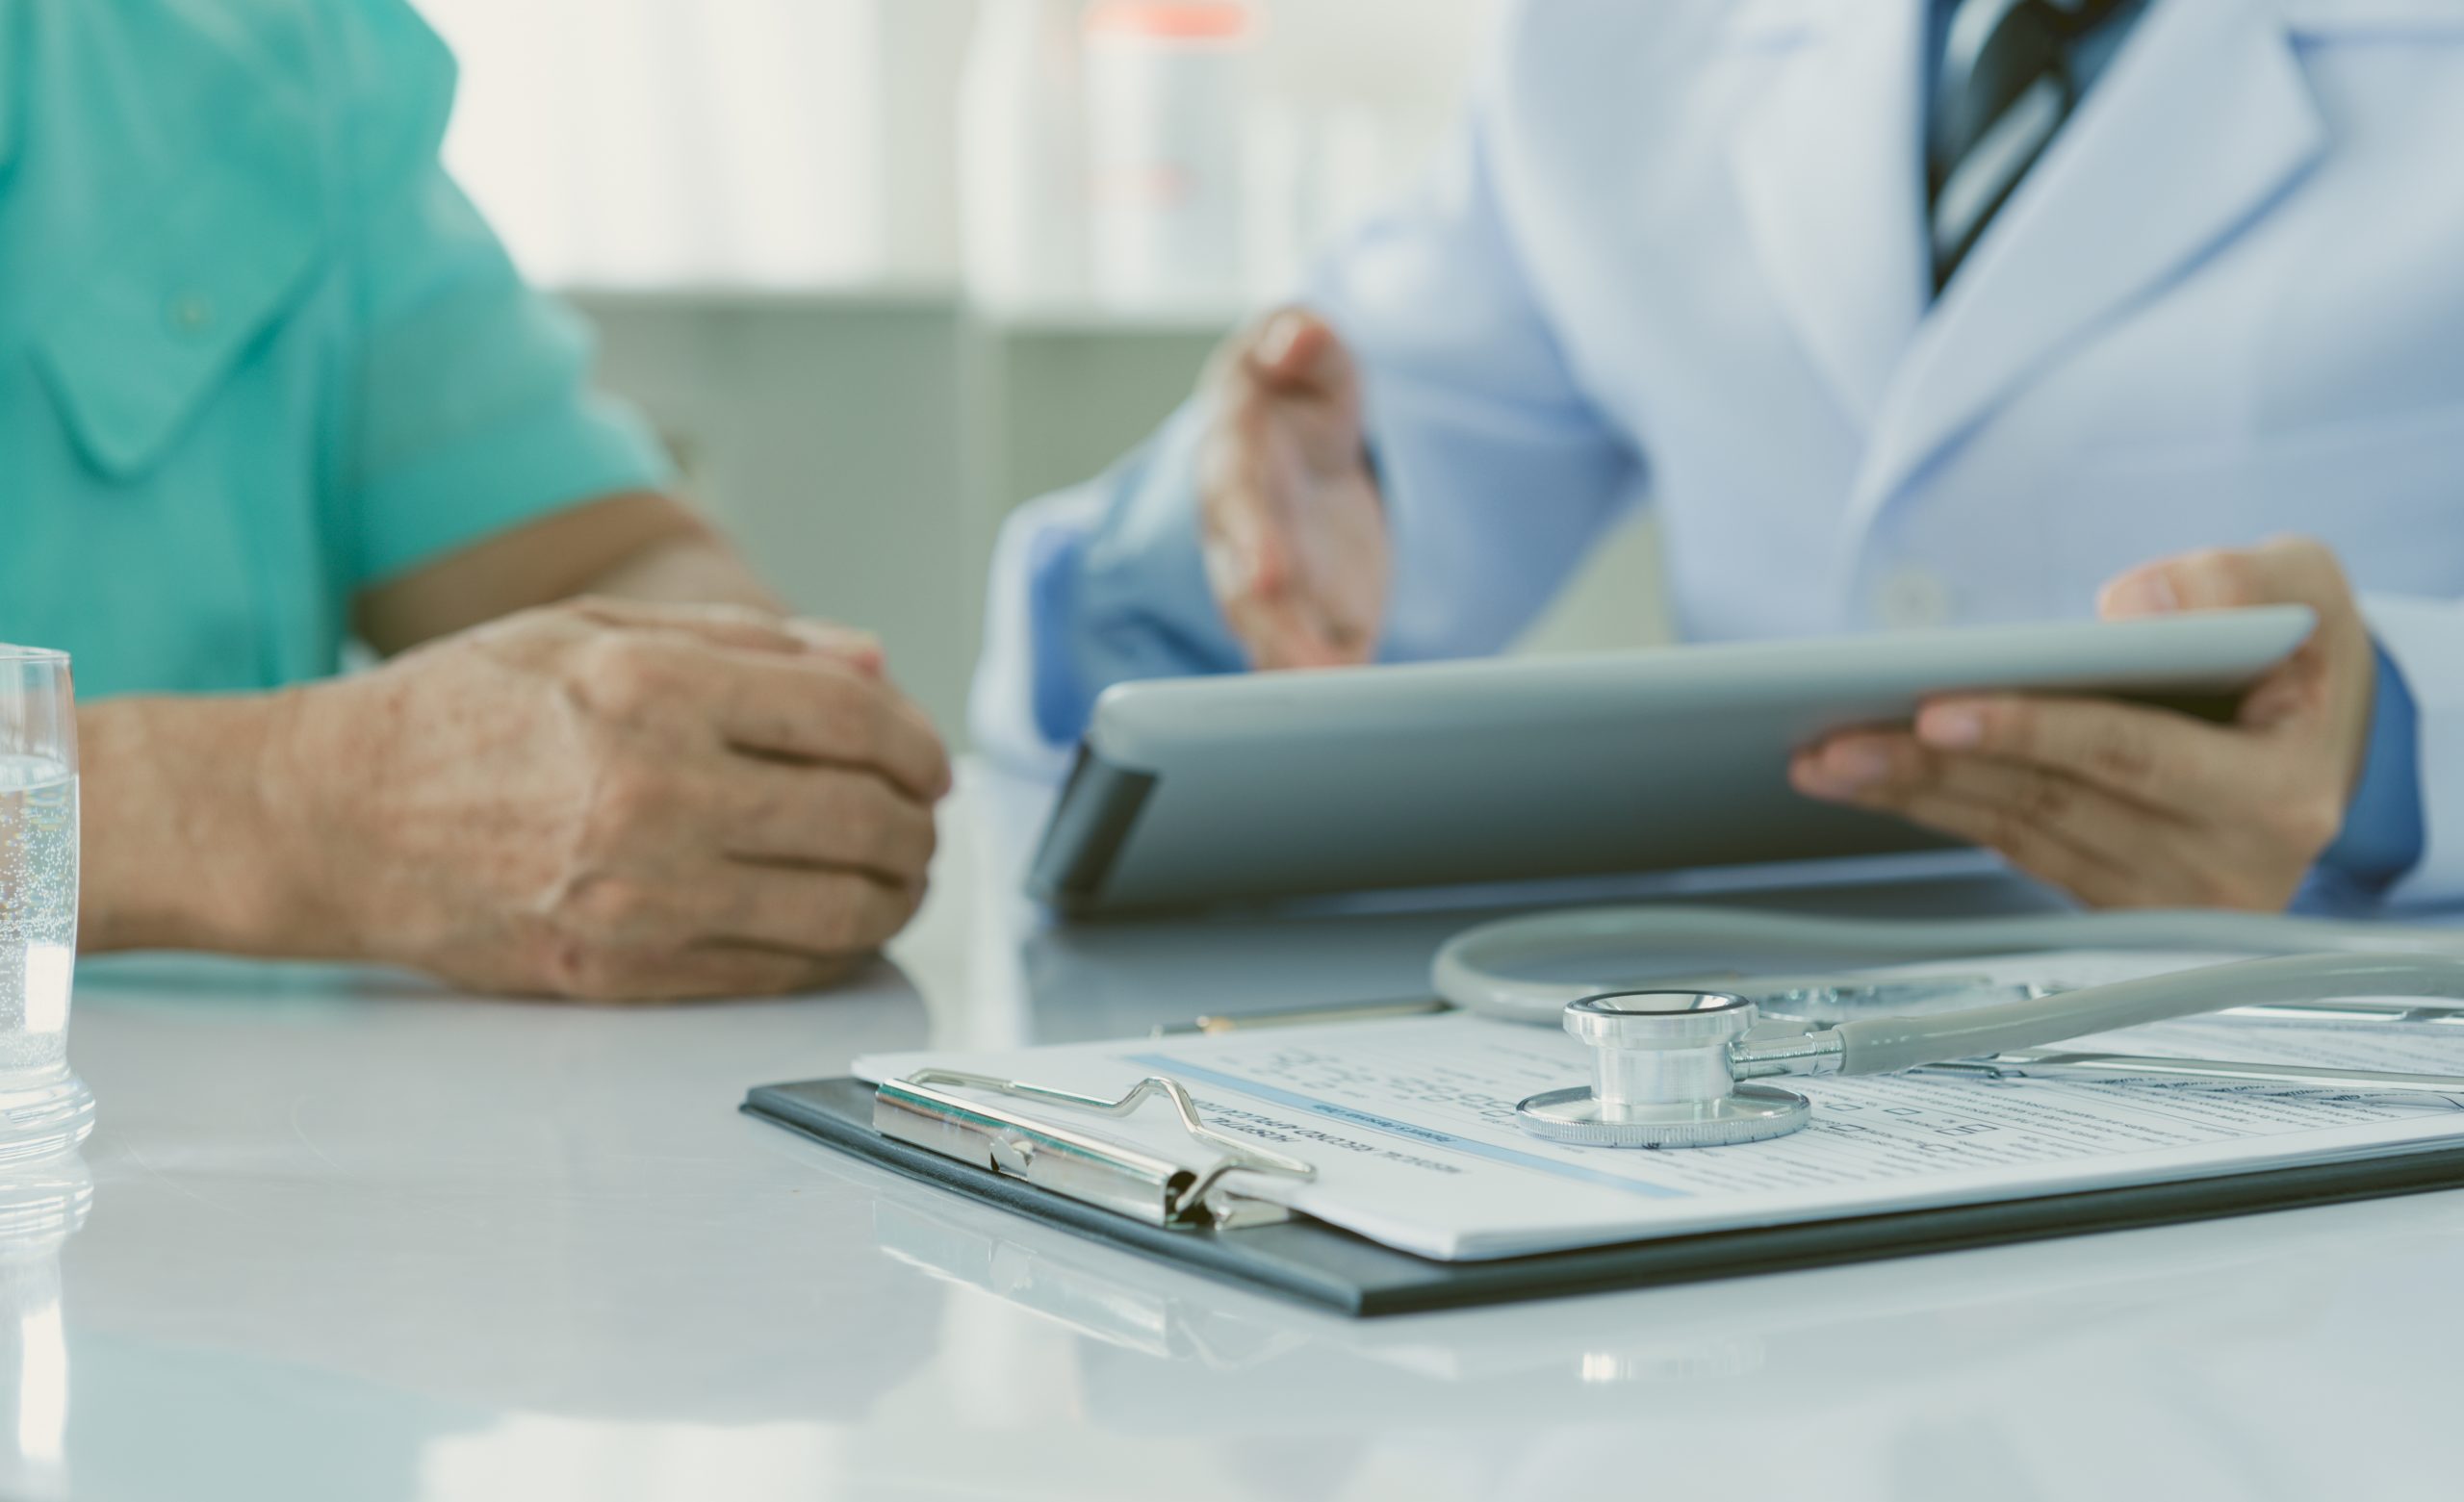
(549, 805)
(695, 568)
(191, 839)
(181, 827)
(640, 545)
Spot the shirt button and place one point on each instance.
(1914, 599)
(190, 313)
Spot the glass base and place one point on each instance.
(44, 1117)
(42, 1205)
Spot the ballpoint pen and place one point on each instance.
(1212, 1025)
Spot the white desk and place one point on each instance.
(355, 1239)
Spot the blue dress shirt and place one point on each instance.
(2382, 834)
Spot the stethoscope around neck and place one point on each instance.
(1681, 1066)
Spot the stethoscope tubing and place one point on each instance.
(1887, 1045)
(2311, 959)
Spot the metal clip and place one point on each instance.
(921, 1110)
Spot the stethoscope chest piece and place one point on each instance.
(1662, 1075)
(1748, 1113)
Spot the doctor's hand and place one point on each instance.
(611, 800)
(2132, 806)
(1293, 527)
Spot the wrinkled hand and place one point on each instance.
(617, 800)
(1295, 533)
(2131, 806)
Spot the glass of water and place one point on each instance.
(43, 1108)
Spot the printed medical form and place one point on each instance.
(1410, 1121)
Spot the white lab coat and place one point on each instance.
(1678, 253)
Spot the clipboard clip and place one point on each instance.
(924, 1110)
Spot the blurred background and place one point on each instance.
(882, 269)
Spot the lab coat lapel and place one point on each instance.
(2201, 122)
(1827, 173)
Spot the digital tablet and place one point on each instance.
(1195, 792)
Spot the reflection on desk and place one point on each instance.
(1065, 982)
(1828, 1365)
(355, 1238)
(42, 1204)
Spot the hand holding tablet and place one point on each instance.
(2127, 805)
(1255, 787)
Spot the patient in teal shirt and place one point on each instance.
(266, 383)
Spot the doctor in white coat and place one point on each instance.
(1902, 313)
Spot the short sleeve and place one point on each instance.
(471, 409)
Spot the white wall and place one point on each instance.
(663, 144)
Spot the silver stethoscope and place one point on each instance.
(1673, 1066)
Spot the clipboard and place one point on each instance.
(1033, 1163)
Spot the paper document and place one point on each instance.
(1411, 1124)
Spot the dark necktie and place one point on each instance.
(2004, 91)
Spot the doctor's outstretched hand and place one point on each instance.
(2131, 806)
(1293, 530)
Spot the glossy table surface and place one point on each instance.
(352, 1237)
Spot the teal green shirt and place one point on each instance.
(257, 351)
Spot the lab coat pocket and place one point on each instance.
(137, 351)
(2385, 491)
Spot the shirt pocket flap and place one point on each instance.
(2380, 490)
(136, 350)
(2399, 20)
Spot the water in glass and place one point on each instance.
(38, 916)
